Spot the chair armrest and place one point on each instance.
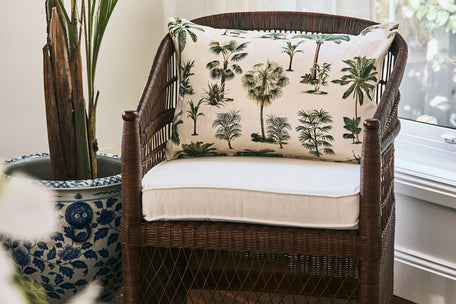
(156, 106)
(388, 105)
(146, 130)
(377, 160)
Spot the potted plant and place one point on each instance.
(86, 246)
(71, 125)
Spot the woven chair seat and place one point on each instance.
(260, 190)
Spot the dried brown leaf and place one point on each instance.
(63, 90)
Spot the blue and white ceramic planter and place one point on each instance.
(86, 246)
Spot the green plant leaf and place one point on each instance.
(432, 14)
(452, 24)
(71, 33)
(31, 289)
(421, 11)
(82, 142)
(442, 17)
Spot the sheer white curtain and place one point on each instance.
(196, 8)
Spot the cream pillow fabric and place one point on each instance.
(276, 94)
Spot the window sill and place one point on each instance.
(425, 165)
(425, 187)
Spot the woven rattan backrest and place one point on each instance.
(286, 21)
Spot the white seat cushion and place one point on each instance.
(262, 190)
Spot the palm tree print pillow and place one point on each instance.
(274, 94)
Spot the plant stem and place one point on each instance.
(93, 146)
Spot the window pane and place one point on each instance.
(429, 84)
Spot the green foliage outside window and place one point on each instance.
(433, 14)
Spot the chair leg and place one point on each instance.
(369, 283)
(131, 274)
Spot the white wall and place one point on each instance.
(425, 257)
(131, 39)
(22, 28)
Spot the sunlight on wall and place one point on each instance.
(436, 299)
(126, 55)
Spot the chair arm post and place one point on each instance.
(131, 170)
(369, 216)
(370, 191)
(131, 206)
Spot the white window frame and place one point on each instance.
(427, 151)
(426, 159)
(426, 163)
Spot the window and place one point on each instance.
(192, 9)
(429, 85)
(426, 146)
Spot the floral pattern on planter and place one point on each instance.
(84, 248)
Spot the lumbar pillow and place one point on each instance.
(277, 94)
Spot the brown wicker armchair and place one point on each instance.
(209, 262)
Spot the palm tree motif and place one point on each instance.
(179, 28)
(393, 31)
(234, 33)
(196, 149)
(264, 84)
(186, 71)
(361, 78)
(262, 152)
(322, 74)
(231, 52)
(228, 126)
(291, 50)
(213, 96)
(313, 137)
(194, 113)
(275, 36)
(278, 128)
(369, 29)
(258, 138)
(352, 125)
(174, 134)
(319, 40)
(372, 28)
(356, 158)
